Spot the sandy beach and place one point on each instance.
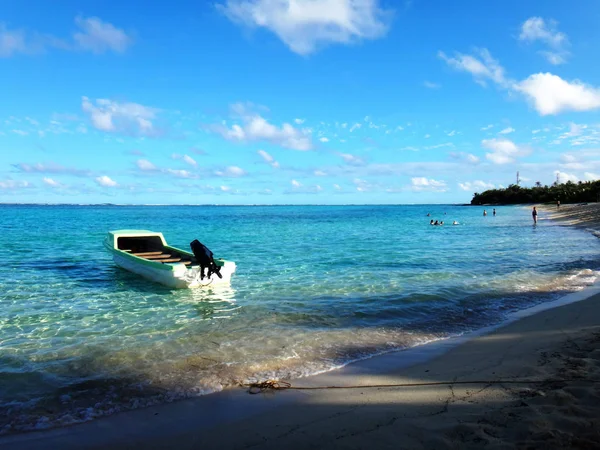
(585, 216)
(532, 383)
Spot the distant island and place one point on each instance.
(569, 192)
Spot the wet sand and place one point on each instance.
(585, 216)
(557, 349)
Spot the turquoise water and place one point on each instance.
(316, 287)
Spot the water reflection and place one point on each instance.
(214, 302)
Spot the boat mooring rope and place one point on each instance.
(275, 385)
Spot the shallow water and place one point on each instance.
(316, 287)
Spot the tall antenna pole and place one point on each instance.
(518, 179)
(557, 178)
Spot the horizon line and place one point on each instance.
(232, 204)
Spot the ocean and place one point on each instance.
(316, 287)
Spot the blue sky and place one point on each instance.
(294, 101)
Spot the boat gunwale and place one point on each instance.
(156, 264)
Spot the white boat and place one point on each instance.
(147, 253)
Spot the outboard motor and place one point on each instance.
(204, 257)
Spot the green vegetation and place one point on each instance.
(568, 192)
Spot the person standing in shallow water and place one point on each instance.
(484, 213)
(534, 215)
(494, 212)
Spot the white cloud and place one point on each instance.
(430, 85)
(20, 132)
(180, 173)
(115, 117)
(472, 158)
(445, 144)
(93, 35)
(296, 183)
(589, 176)
(50, 168)
(568, 158)
(504, 151)
(12, 42)
(13, 184)
(106, 181)
(305, 25)
(256, 128)
(51, 182)
(536, 29)
(299, 121)
(427, 136)
(555, 58)
(467, 157)
(362, 185)
(225, 188)
(324, 139)
(563, 177)
(191, 161)
(268, 159)
(145, 165)
(507, 130)
(452, 133)
(231, 171)
(356, 126)
(419, 184)
(352, 159)
(185, 158)
(337, 187)
(319, 173)
(575, 130)
(550, 94)
(98, 36)
(475, 186)
(486, 68)
(487, 127)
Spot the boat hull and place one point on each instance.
(178, 278)
(171, 274)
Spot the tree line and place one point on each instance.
(569, 192)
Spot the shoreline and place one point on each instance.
(203, 420)
(584, 216)
(502, 354)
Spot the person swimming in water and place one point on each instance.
(436, 223)
(431, 222)
(455, 223)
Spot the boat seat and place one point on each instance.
(159, 257)
(146, 253)
(170, 260)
